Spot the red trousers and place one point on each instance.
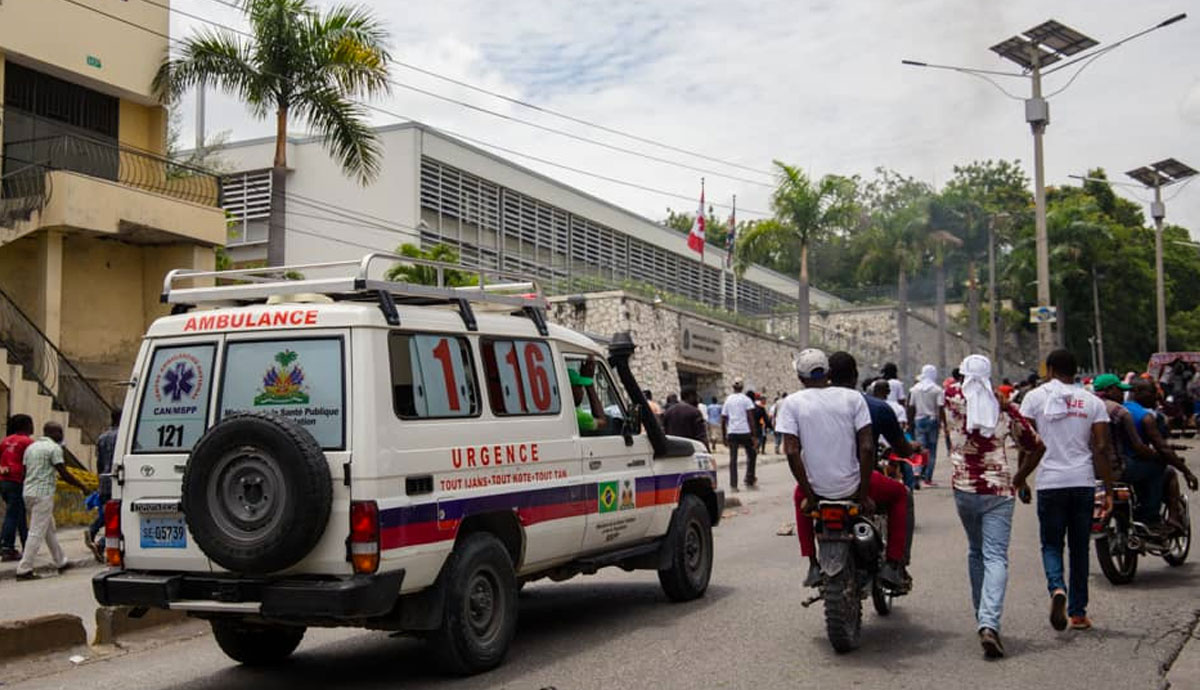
(886, 493)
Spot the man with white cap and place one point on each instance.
(980, 427)
(831, 426)
(926, 409)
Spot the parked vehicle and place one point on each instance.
(850, 551)
(349, 451)
(1121, 540)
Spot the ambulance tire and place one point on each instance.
(479, 615)
(690, 546)
(257, 493)
(254, 644)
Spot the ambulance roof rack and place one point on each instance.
(257, 285)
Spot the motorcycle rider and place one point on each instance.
(1152, 477)
(832, 427)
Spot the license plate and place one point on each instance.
(163, 533)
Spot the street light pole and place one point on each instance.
(1037, 114)
(1158, 211)
(993, 337)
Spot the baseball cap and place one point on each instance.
(812, 364)
(578, 379)
(1106, 380)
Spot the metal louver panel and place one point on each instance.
(247, 200)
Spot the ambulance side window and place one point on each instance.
(520, 377)
(433, 376)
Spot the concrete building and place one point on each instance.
(434, 188)
(92, 214)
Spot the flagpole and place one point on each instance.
(733, 229)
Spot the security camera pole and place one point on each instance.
(1034, 50)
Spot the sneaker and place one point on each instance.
(1081, 623)
(814, 575)
(990, 640)
(28, 576)
(1058, 610)
(94, 547)
(734, 489)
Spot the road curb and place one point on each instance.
(41, 634)
(114, 622)
(82, 562)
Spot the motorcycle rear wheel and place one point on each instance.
(843, 610)
(1117, 561)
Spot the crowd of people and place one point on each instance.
(1071, 438)
(30, 469)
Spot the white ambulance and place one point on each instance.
(345, 450)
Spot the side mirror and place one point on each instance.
(632, 425)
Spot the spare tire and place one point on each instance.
(256, 493)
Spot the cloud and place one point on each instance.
(815, 83)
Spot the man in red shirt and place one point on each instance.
(12, 477)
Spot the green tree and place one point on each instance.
(428, 275)
(806, 211)
(301, 64)
(895, 241)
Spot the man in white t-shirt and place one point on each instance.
(891, 374)
(831, 426)
(737, 423)
(927, 410)
(1073, 425)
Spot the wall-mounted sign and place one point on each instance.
(1043, 314)
(700, 341)
(93, 61)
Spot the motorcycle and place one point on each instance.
(850, 551)
(1121, 540)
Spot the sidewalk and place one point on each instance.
(77, 553)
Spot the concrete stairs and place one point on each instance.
(27, 396)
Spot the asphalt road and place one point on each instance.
(616, 629)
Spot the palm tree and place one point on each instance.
(896, 242)
(301, 63)
(805, 212)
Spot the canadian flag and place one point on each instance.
(695, 238)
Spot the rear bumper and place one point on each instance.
(345, 598)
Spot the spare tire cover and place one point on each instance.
(257, 493)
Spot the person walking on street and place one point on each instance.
(981, 426)
(1073, 425)
(737, 426)
(685, 419)
(927, 410)
(105, 447)
(772, 415)
(760, 420)
(713, 412)
(890, 374)
(12, 478)
(43, 460)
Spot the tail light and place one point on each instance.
(833, 517)
(113, 555)
(364, 536)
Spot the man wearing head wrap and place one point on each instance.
(926, 409)
(1074, 426)
(980, 428)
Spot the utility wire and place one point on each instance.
(555, 113)
(405, 118)
(497, 114)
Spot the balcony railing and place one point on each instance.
(104, 160)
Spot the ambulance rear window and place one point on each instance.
(175, 394)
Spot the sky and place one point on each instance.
(815, 83)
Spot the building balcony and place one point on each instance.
(74, 182)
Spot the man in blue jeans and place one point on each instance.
(12, 478)
(1073, 425)
(926, 409)
(979, 427)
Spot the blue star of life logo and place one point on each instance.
(179, 381)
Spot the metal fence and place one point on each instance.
(54, 374)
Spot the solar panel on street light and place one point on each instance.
(1061, 39)
(1149, 176)
(1017, 50)
(1174, 169)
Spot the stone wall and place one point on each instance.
(764, 361)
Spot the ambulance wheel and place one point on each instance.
(690, 543)
(256, 644)
(479, 617)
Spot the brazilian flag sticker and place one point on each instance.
(607, 496)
